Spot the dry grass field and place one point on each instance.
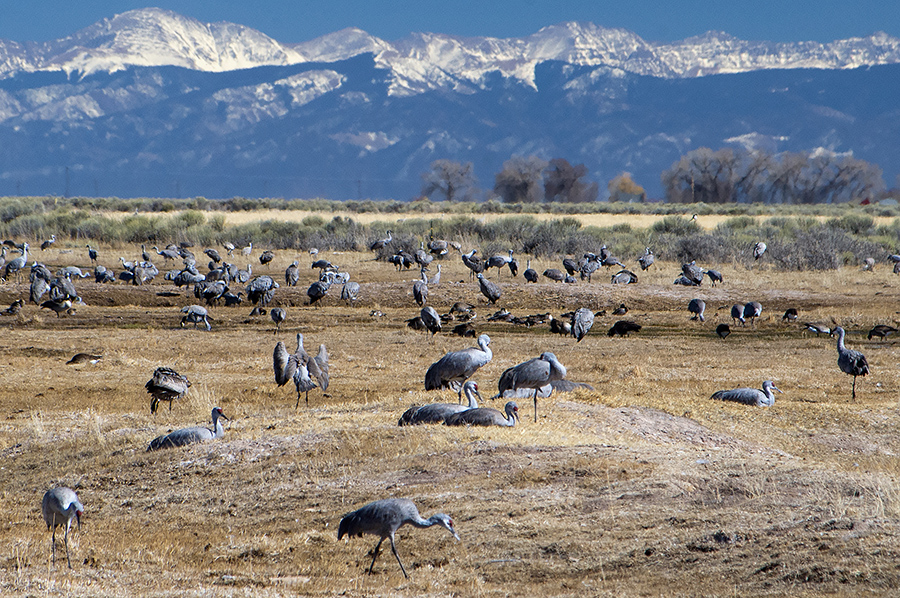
(644, 487)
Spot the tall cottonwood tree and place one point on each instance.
(521, 179)
(565, 182)
(452, 180)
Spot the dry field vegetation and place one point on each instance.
(644, 487)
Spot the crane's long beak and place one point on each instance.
(778, 389)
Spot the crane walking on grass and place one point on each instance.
(454, 368)
(533, 373)
(851, 362)
(383, 518)
(59, 507)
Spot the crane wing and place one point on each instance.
(284, 364)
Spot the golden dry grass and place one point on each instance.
(644, 487)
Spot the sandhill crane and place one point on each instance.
(383, 518)
(278, 316)
(647, 259)
(92, 253)
(737, 314)
(60, 306)
(15, 266)
(422, 257)
(621, 310)
(533, 373)
(437, 247)
(80, 358)
(869, 264)
(684, 281)
(195, 314)
(261, 290)
(436, 413)
(39, 286)
(420, 289)
(498, 261)
(624, 277)
(242, 276)
(316, 291)
(749, 396)
(165, 385)
(454, 368)
(489, 289)
(714, 276)
(623, 328)
(301, 368)
(322, 265)
(229, 248)
(554, 274)
(697, 307)
(851, 362)
(817, 328)
(59, 507)
(881, 331)
(752, 311)
(3, 251)
(191, 435)
(486, 416)
(693, 272)
(513, 266)
(723, 330)
(570, 266)
(48, 243)
(292, 274)
(266, 257)
(350, 292)
(758, 250)
(474, 264)
(530, 274)
(431, 320)
(213, 255)
(246, 251)
(436, 279)
(168, 254)
(381, 242)
(790, 315)
(582, 322)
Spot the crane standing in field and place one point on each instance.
(383, 518)
(59, 507)
(582, 322)
(851, 362)
(533, 373)
(490, 290)
(301, 367)
(191, 435)
(166, 385)
(454, 368)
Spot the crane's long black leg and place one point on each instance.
(394, 550)
(375, 556)
(66, 542)
(535, 405)
(297, 406)
(307, 398)
(854, 387)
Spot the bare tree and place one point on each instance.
(520, 180)
(563, 182)
(453, 180)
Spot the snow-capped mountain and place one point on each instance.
(150, 95)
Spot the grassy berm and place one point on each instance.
(643, 487)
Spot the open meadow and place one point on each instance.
(643, 487)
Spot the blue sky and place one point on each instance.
(654, 20)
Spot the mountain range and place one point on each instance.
(152, 103)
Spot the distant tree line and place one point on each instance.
(729, 176)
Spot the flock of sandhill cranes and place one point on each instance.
(533, 378)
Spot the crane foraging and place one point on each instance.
(436, 413)
(749, 396)
(191, 435)
(383, 518)
(454, 368)
(59, 507)
(851, 362)
(165, 385)
(533, 373)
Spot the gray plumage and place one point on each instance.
(292, 274)
(165, 385)
(758, 250)
(229, 248)
(851, 362)
(752, 311)
(266, 257)
(191, 435)
(749, 396)
(454, 368)
(350, 292)
(80, 358)
(431, 319)
(261, 290)
(737, 314)
(498, 261)
(485, 416)
(474, 264)
(489, 289)
(317, 291)
(697, 307)
(375, 246)
(533, 373)
(554, 274)
(213, 255)
(647, 259)
(195, 314)
(684, 281)
(714, 276)
(278, 316)
(693, 272)
(881, 331)
(59, 507)
(420, 289)
(624, 277)
(383, 518)
(48, 243)
(530, 274)
(60, 306)
(545, 391)
(16, 265)
(436, 413)
(39, 286)
(168, 254)
(92, 253)
(301, 368)
(436, 279)
(582, 322)
(818, 328)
